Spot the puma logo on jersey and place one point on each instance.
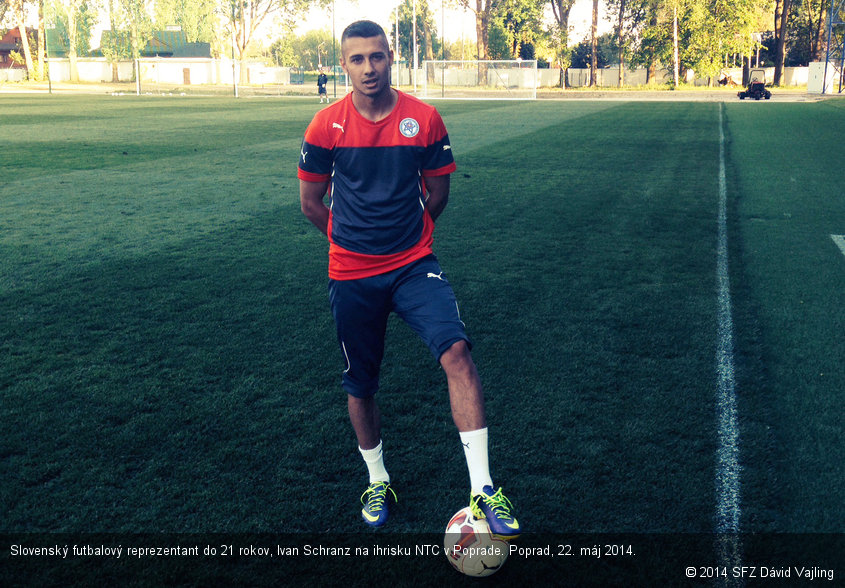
(438, 276)
(446, 147)
(338, 126)
(304, 154)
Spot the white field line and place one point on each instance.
(840, 242)
(727, 457)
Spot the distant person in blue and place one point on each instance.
(322, 80)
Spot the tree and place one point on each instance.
(427, 42)
(782, 10)
(485, 11)
(676, 54)
(744, 20)
(705, 31)
(807, 32)
(460, 49)
(74, 20)
(18, 10)
(244, 17)
(582, 53)
(621, 8)
(560, 35)
(139, 23)
(660, 37)
(629, 15)
(649, 41)
(697, 35)
(113, 46)
(283, 52)
(594, 44)
(309, 51)
(428, 36)
(499, 40)
(667, 38)
(522, 21)
(815, 13)
(41, 49)
(194, 17)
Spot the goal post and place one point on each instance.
(512, 79)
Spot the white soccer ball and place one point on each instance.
(471, 548)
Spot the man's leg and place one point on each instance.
(467, 400)
(360, 312)
(465, 394)
(425, 300)
(366, 421)
(365, 417)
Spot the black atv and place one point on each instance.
(756, 86)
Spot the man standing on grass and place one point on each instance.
(384, 159)
(322, 80)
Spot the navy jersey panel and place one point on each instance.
(438, 156)
(315, 162)
(377, 200)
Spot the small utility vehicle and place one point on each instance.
(756, 86)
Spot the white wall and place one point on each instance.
(609, 77)
(162, 70)
(605, 78)
(90, 70)
(511, 77)
(12, 74)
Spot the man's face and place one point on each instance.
(367, 60)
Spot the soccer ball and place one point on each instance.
(471, 548)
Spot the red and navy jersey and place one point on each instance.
(378, 221)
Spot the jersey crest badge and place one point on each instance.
(409, 127)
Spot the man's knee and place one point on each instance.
(457, 357)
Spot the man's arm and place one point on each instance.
(311, 196)
(437, 188)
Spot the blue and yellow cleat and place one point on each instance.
(497, 510)
(375, 499)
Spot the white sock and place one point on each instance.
(374, 458)
(475, 450)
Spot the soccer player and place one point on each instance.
(384, 159)
(322, 80)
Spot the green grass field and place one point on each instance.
(169, 363)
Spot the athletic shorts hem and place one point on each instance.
(439, 350)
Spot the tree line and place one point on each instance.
(704, 36)
(230, 27)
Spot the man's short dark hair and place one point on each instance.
(364, 29)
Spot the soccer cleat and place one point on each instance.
(375, 499)
(497, 510)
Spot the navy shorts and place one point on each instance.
(418, 293)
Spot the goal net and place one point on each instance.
(481, 80)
